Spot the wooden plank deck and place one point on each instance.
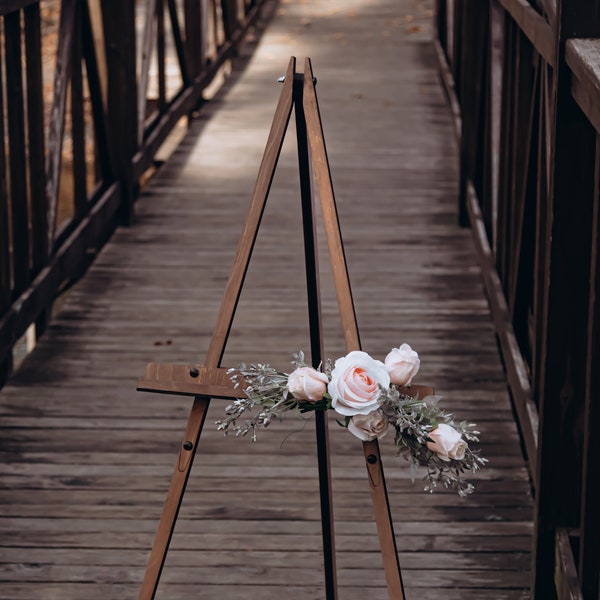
(86, 460)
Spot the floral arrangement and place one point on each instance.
(372, 399)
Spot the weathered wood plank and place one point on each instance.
(582, 56)
(177, 591)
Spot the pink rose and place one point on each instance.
(368, 427)
(306, 383)
(447, 443)
(402, 364)
(355, 383)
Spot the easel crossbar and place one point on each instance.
(189, 380)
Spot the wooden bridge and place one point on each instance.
(86, 460)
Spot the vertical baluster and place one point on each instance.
(5, 263)
(15, 101)
(56, 126)
(35, 119)
(589, 547)
(507, 130)
(96, 70)
(119, 33)
(37, 172)
(161, 55)
(181, 55)
(193, 37)
(78, 122)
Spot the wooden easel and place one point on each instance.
(212, 381)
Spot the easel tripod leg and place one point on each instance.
(320, 163)
(172, 504)
(383, 518)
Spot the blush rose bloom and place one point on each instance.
(447, 443)
(306, 383)
(403, 364)
(355, 384)
(368, 427)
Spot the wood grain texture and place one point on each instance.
(540, 31)
(583, 56)
(86, 460)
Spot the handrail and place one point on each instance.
(583, 58)
(40, 254)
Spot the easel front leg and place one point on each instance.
(185, 458)
(383, 518)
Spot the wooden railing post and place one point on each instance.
(589, 547)
(472, 57)
(16, 153)
(40, 250)
(561, 385)
(5, 278)
(193, 37)
(441, 24)
(120, 41)
(229, 10)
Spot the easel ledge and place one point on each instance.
(186, 380)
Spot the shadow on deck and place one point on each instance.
(87, 459)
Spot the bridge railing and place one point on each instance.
(523, 79)
(84, 108)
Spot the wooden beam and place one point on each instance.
(549, 9)
(589, 547)
(8, 6)
(57, 113)
(583, 58)
(193, 37)
(473, 60)
(120, 39)
(539, 31)
(15, 101)
(178, 39)
(98, 92)
(5, 262)
(96, 38)
(80, 200)
(147, 38)
(35, 119)
(565, 571)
